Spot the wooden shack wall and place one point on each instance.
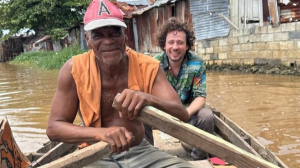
(12, 47)
(143, 32)
(72, 38)
(149, 22)
(129, 33)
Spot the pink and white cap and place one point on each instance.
(102, 13)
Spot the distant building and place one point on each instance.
(261, 32)
(11, 48)
(75, 36)
(38, 43)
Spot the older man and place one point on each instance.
(89, 82)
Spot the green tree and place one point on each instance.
(42, 16)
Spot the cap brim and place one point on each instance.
(102, 23)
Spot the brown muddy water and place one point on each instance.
(266, 106)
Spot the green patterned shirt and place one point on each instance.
(191, 79)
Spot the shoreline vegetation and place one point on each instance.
(55, 60)
(47, 59)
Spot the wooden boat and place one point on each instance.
(256, 154)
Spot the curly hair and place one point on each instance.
(174, 24)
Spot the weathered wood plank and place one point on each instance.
(232, 136)
(260, 149)
(264, 152)
(81, 157)
(54, 153)
(273, 10)
(51, 151)
(47, 146)
(201, 139)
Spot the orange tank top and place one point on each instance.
(142, 72)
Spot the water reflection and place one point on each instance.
(265, 106)
(25, 95)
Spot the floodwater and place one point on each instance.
(266, 106)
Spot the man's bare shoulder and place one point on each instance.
(67, 66)
(65, 79)
(65, 71)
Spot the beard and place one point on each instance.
(112, 59)
(111, 55)
(176, 60)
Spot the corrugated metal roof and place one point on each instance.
(43, 39)
(135, 2)
(32, 39)
(157, 3)
(207, 23)
(130, 9)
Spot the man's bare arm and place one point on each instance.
(169, 100)
(64, 109)
(196, 105)
(163, 97)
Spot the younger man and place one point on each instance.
(187, 75)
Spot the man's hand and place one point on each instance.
(118, 138)
(129, 103)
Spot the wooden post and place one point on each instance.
(273, 10)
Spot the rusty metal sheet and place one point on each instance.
(289, 11)
(157, 3)
(128, 9)
(206, 20)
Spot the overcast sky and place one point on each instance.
(5, 31)
(20, 32)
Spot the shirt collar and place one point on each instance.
(165, 64)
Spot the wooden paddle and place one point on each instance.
(178, 129)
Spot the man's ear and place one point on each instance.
(126, 39)
(86, 36)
